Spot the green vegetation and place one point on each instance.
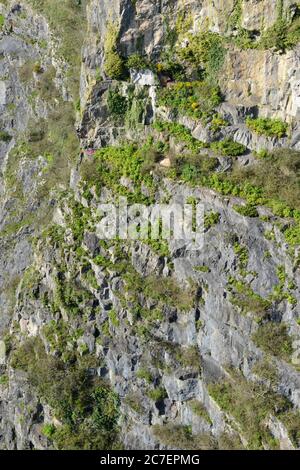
(163, 290)
(267, 370)
(202, 269)
(204, 51)
(167, 290)
(137, 62)
(194, 99)
(284, 34)
(37, 68)
(250, 404)
(4, 379)
(210, 219)
(111, 163)
(234, 20)
(134, 401)
(217, 123)
(157, 394)
(88, 409)
(242, 253)
(181, 134)
(48, 430)
(5, 136)
(282, 291)
(181, 437)
(291, 421)
(246, 299)
(2, 21)
(273, 338)
(114, 64)
(199, 409)
(184, 22)
(67, 19)
(267, 126)
(249, 210)
(228, 147)
(145, 374)
(274, 182)
(189, 357)
(117, 104)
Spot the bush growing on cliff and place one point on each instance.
(113, 63)
(181, 437)
(246, 299)
(250, 405)
(284, 34)
(278, 177)
(117, 104)
(267, 126)
(249, 210)
(210, 219)
(167, 290)
(106, 409)
(157, 394)
(195, 99)
(274, 339)
(137, 62)
(2, 21)
(88, 409)
(228, 147)
(67, 18)
(181, 134)
(5, 136)
(204, 50)
(291, 420)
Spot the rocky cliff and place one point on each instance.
(109, 344)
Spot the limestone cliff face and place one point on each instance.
(263, 79)
(191, 350)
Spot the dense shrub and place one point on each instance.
(38, 68)
(267, 126)
(157, 394)
(112, 163)
(249, 210)
(181, 134)
(5, 136)
(278, 177)
(88, 409)
(246, 299)
(210, 219)
(181, 437)
(250, 405)
(204, 49)
(167, 290)
(283, 35)
(195, 99)
(291, 420)
(171, 68)
(137, 61)
(274, 339)
(228, 147)
(105, 409)
(117, 104)
(113, 63)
